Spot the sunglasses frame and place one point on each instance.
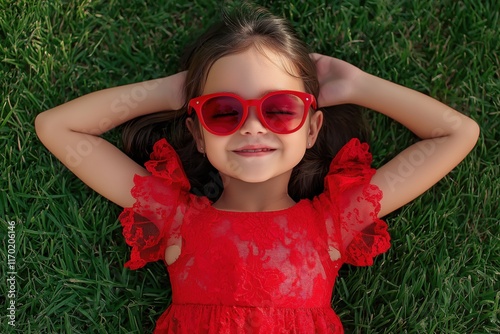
(198, 102)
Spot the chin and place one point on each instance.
(255, 179)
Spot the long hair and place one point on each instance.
(238, 30)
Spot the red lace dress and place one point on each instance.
(254, 272)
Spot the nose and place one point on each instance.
(252, 124)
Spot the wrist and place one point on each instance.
(359, 84)
(342, 88)
(175, 90)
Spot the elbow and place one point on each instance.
(46, 126)
(469, 131)
(41, 125)
(473, 131)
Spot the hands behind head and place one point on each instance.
(336, 79)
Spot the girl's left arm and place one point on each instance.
(447, 135)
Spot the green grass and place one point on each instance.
(441, 274)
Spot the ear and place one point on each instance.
(315, 123)
(197, 134)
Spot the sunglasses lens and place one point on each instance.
(222, 114)
(283, 113)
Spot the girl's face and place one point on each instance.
(253, 153)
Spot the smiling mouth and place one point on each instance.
(257, 150)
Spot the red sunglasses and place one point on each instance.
(282, 112)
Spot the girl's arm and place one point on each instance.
(71, 132)
(447, 135)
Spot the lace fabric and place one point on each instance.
(245, 320)
(273, 270)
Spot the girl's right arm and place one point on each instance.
(71, 132)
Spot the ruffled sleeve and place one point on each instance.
(354, 204)
(153, 222)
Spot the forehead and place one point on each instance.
(252, 73)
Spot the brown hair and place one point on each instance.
(239, 30)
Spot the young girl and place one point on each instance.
(266, 194)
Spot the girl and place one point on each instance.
(297, 197)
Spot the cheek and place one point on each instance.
(296, 146)
(299, 138)
(215, 146)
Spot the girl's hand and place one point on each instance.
(336, 79)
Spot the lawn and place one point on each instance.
(440, 275)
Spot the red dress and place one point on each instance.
(254, 272)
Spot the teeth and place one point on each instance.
(257, 150)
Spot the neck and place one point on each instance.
(270, 195)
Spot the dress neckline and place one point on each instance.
(292, 208)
